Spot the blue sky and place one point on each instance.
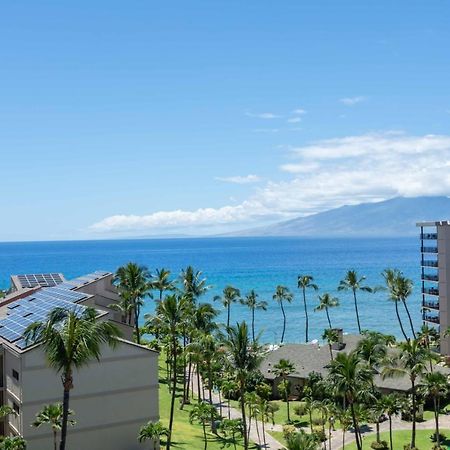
(150, 118)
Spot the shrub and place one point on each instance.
(408, 447)
(300, 410)
(318, 421)
(320, 435)
(288, 430)
(441, 437)
(382, 445)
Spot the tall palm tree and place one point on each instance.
(352, 379)
(202, 413)
(353, 282)
(411, 360)
(152, 431)
(283, 368)
(326, 301)
(133, 282)
(52, 415)
(373, 347)
(282, 294)
(161, 282)
(229, 388)
(332, 337)
(244, 358)
(428, 337)
(252, 302)
(435, 385)
(171, 313)
(306, 282)
(392, 405)
(194, 286)
(230, 295)
(71, 339)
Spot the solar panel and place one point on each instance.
(39, 279)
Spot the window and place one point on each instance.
(15, 375)
(16, 408)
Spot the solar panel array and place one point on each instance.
(39, 279)
(35, 308)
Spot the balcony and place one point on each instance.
(428, 236)
(430, 318)
(428, 277)
(430, 291)
(426, 263)
(429, 249)
(430, 305)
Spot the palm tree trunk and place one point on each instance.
(410, 319)
(188, 382)
(228, 315)
(343, 439)
(413, 433)
(284, 321)
(328, 317)
(68, 384)
(400, 321)
(287, 405)
(244, 418)
(436, 418)
(229, 406)
(253, 324)
(199, 388)
(263, 430)
(390, 432)
(378, 430)
(331, 352)
(204, 435)
(310, 420)
(306, 316)
(356, 310)
(355, 426)
(174, 390)
(55, 443)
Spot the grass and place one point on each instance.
(186, 435)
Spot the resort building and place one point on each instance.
(435, 276)
(111, 399)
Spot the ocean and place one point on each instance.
(247, 263)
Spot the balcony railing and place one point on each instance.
(429, 249)
(430, 318)
(430, 291)
(430, 305)
(428, 277)
(428, 236)
(426, 263)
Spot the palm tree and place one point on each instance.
(152, 431)
(194, 285)
(251, 301)
(71, 339)
(353, 282)
(352, 379)
(435, 385)
(171, 312)
(428, 337)
(229, 388)
(306, 282)
(230, 295)
(13, 443)
(345, 419)
(326, 301)
(373, 347)
(283, 369)
(410, 360)
(161, 281)
(301, 441)
(202, 413)
(392, 405)
(244, 358)
(282, 293)
(332, 337)
(133, 283)
(52, 415)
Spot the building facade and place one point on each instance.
(111, 399)
(435, 276)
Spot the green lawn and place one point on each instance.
(185, 435)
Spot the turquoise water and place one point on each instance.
(246, 263)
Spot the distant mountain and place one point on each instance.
(395, 217)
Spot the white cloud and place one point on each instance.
(299, 111)
(264, 115)
(325, 174)
(351, 101)
(238, 179)
(294, 120)
(265, 130)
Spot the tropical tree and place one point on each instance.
(305, 282)
(244, 358)
(13, 443)
(354, 283)
(352, 379)
(230, 295)
(229, 388)
(283, 369)
(326, 301)
(133, 283)
(153, 432)
(332, 337)
(345, 419)
(301, 441)
(161, 282)
(252, 302)
(373, 347)
(194, 285)
(52, 415)
(410, 360)
(282, 294)
(71, 339)
(435, 385)
(202, 413)
(392, 405)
